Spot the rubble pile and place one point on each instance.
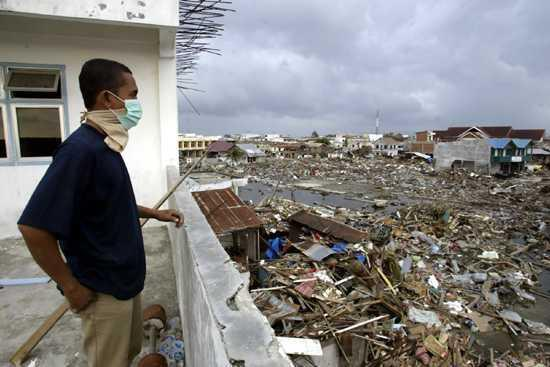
(413, 296)
(435, 282)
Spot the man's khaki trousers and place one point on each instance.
(112, 331)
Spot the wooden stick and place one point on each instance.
(386, 280)
(362, 323)
(176, 185)
(373, 341)
(336, 338)
(19, 356)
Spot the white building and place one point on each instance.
(276, 138)
(374, 137)
(43, 45)
(388, 146)
(355, 142)
(249, 136)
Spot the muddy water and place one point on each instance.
(256, 192)
(501, 340)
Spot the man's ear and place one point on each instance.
(105, 99)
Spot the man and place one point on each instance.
(86, 202)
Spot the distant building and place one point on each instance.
(274, 138)
(495, 155)
(194, 146)
(358, 142)
(220, 149)
(338, 141)
(541, 156)
(292, 150)
(388, 146)
(472, 154)
(252, 153)
(510, 155)
(423, 142)
(374, 137)
(488, 132)
(247, 137)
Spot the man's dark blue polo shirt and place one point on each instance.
(86, 201)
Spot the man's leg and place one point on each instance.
(107, 329)
(136, 337)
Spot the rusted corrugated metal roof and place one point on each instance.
(220, 146)
(327, 226)
(225, 212)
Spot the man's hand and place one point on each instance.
(79, 296)
(170, 215)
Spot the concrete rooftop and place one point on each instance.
(24, 308)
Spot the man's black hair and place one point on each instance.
(98, 75)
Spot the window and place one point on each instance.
(32, 111)
(38, 130)
(32, 80)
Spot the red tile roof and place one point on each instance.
(225, 212)
(533, 134)
(452, 133)
(496, 131)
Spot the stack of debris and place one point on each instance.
(427, 285)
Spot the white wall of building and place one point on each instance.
(151, 12)
(153, 144)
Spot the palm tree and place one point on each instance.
(236, 154)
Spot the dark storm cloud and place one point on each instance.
(296, 66)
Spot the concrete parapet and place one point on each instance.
(222, 326)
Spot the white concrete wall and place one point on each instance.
(152, 12)
(476, 150)
(221, 324)
(153, 144)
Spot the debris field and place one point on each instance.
(434, 269)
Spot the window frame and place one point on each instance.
(10, 104)
(14, 107)
(4, 127)
(36, 71)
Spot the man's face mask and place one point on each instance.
(133, 112)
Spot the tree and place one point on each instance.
(314, 134)
(236, 154)
(363, 151)
(323, 141)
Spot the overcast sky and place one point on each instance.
(292, 67)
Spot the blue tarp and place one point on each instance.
(275, 246)
(361, 257)
(340, 247)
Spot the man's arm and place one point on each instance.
(169, 215)
(43, 248)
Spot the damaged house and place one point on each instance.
(491, 149)
(236, 225)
